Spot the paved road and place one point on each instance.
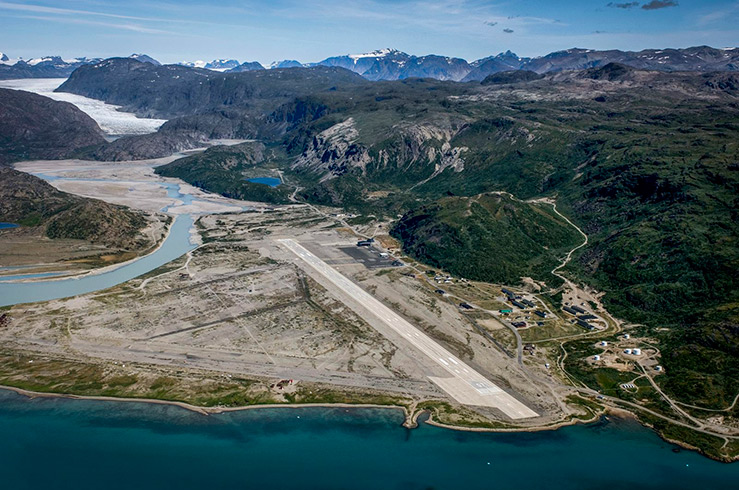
(464, 384)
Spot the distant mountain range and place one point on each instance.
(391, 64)
(46, 67)
(51, 66)
(215, 65)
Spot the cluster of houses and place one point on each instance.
(522, 304)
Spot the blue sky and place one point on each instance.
(306, 30)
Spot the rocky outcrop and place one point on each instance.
(142, 147)
(334, 152)
(33, 127)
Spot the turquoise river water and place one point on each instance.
(80, 444)
(176, 244)
(55, 443)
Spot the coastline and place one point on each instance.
(410, 415)
(207, 410)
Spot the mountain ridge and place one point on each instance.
(34, 126)
(392, 64)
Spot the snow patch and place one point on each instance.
(36, 61)
(379, 53)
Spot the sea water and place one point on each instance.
(81, 444)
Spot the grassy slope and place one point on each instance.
(659, 202)
(489, 237)
(30, 201)
(224, 170)
(648, 169)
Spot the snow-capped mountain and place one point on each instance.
(494, 64)
(6, 60)
(363, 63)
(285, 64)
(44, 67)
(391, 64)
(144, 58)
(247, 66)
(222, 65)
(215, 65)
(193, 64)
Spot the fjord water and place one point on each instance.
(80, 444)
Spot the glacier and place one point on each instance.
(111, 120)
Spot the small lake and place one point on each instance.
(7, 225)
(270, 181)
(81, 444)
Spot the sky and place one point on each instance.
(309, 31)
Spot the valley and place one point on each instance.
(411, 245)
(221, 325)
(568, 238)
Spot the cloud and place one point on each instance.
(62, 11)
(457, 16)
(730, 13)
(508, 31)
(41, 9)
(125, 27)
(659, 4)
(627, 5)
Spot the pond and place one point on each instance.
(270, 181)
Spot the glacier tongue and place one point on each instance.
(110, 120)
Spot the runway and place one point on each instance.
(464, 384)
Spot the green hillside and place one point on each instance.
(644, 162)
(224, 170)
(31, 202)
(487, 237)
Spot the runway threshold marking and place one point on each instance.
(467, 387)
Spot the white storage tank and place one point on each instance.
(603, 343)
(627, 351)
(626, 336)
(596, 357)
(636, 352)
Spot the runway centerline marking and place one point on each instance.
(467, 387)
